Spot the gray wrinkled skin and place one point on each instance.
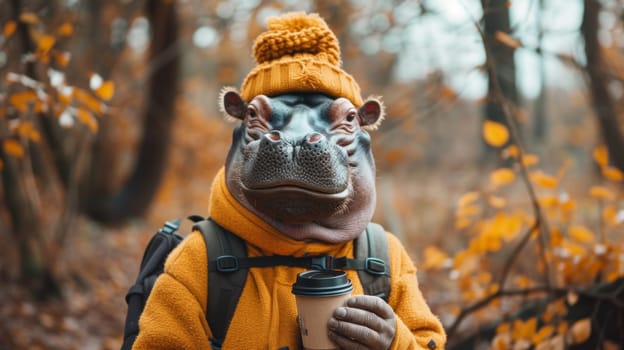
(303, 164)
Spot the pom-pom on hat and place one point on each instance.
(299, 53)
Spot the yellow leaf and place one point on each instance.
(511, 151)
(612, 173)
(467, 198)
(462, 223)
(106, 90)
(523, 329)
(573, 248)
(542, 179)
(497, 202)
(555, 343)
(601, 192)
(609, 215)
(88, 101)
(529, 160)
(46, 42)
(434, 258)
(548, 201)
(601, 155)
(13, 148)
(87, 118)
(62, 58)
(28, 18)
(66, 29)
(9, 28)
(507, 39)
(502, 176)
(542, 334)
(581, 234)
(23, 100)
(468, 210)
(495, 134)
(579, 332)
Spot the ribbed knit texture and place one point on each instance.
(266, 313)
(299, 53)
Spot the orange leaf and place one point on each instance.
(434, 258)
(495, 134)
(601, 192)
(581, 234)
(542, 179)
(542, 334)
(502, 176)
(23, 100)
(612, 173)
(66, 29)
(497, 202)
(507, 39)
(467, 198)
(13, 148)
(579, 332)
(62, 58)
(601, 155)
(88, 101)
(29, 18)
(529, 160)
(46, 42)
(511, 151)
(87, 118)
(106, 90)
(523, 329)
(9, 28)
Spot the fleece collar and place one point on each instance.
(230, 214)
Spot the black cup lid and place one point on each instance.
(322, 283)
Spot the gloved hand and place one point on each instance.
(366, 322)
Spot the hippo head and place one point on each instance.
(303, 163)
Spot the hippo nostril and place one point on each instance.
(274, 136)
(315, 137)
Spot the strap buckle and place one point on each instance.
(227, 263)
(322, 262)
(375, 266)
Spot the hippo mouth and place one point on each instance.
(292, 190)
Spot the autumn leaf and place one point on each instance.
(467, 198)
(542, 179)
(28, 18)
(62, 58)
(496, 202)
(529, 160)
(87, 118)
(106, 90)
(502, 176)
(507, 39)
(9, 29)
(581, 234)
(523, 329)
(495, 134)
(434, 258)
(579, 332)
(601, 155)
(512, 151)
(13, 148)
(66, 29)
(22, 100)
(46, 42)
(542, 334)
(601, 192)
(612, 173)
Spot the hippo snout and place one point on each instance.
(310, 162)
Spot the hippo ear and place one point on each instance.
(371, 113)
(232, 104)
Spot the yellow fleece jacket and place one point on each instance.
(265, 318)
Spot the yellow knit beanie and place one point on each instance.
(299, 53)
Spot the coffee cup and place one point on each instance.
(318, 293)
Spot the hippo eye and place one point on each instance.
(351, 117)
(251, 112)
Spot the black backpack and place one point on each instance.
(227, 270)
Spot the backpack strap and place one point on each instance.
(224, 289)
(371, 248)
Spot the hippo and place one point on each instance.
(303, 162)
(298, 184)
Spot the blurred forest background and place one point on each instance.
(500, 164)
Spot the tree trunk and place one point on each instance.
(496, 19)
(134, 197)
(602, 101)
